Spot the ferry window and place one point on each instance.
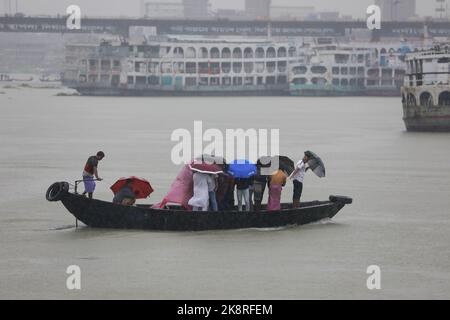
(282, 66)
(167, 80)
(344, 82)
(335, 70)
(360, 58)
(130, 80)
(352, 70)
(226, 67)
(215, 81)
(203, 67)
(282, 52)
(116, 64)
(139, 66)
(226, 81)
(191, 67)
(360, 82)
(106, 65)
(203, 81)
(361, 71)
(153, 67)
(353, 82)
(259, 67)
(104, 78)
(237, 53)
(215, 68)
(237, 67)
(248, 53)
(115, 80)
(203, 53)
(178, 52)
(190, 52)
(270, 67)
(335, 81)
(226, 53)
(292, 52)
(318, 69)
(166, 67)
(178, 67)
(300, 70)
(426, 99)
(444, 98)
(341, 58)
(237, 81)
(215, 53)
(191, 82)
(270, 80)
(153, 80)
(411, 100)
(249, 81)
(344, 70)
(93, 65)
(282, 79)
(259, 53)
(141, 80)
(82, 78)
(92, 78)
(320, 81)
(301, 81)
(248, 67)
(271, 53)
(260, 80)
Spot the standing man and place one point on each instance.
(90, 171)
(297, 176)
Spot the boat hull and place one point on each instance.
(100, 214)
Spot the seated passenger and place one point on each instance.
(126, 195)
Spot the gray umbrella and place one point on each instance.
(315, 164)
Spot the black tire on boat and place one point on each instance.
(57, 191)
(342, 199)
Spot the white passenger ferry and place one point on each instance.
(181, 67)
(360, 69)
(426, 92)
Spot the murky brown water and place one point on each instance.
(400, 183)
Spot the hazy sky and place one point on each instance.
(131, 7)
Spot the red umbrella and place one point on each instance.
(141, 187)
(203, 167)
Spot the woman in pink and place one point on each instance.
(276, 184)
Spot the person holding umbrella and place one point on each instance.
(127, 190)
(297, 177)
(243, 172)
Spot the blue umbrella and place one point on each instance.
(242, 169)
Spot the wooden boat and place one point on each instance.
(101, 214)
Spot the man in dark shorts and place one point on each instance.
(89, 172)
(297, 176)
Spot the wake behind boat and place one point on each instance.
(101, 214)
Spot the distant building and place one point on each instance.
(196, 9)
(397, 10)
(230, 14)
(291, 13)
(257, 9)
(160, 9)
(329, 15)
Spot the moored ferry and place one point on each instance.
(426, 92)
(342, 70)
(170, 66)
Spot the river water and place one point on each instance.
(399, 221)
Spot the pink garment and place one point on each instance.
(180, 191)
(274, 197)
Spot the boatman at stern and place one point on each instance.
(90, 171)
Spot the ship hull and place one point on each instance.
(430, 118)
